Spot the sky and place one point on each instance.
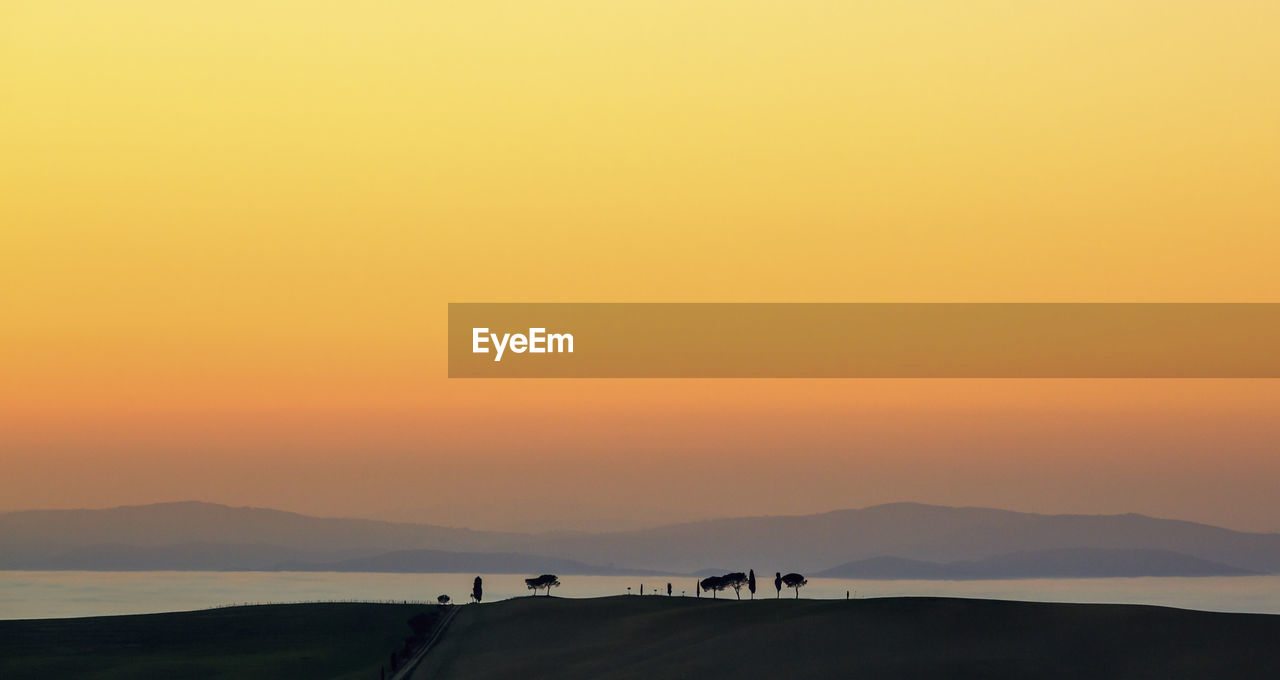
(229, 232)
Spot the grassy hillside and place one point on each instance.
(656, 637)
(650, 637)
(280, 642)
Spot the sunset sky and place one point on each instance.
(229, 232)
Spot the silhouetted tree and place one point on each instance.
(777, 583)
(714, 584)
(796, 581)
(751, 582)
(477, 589)
(547, 581)
(668, 590)
(697, 588)
(442, 599)
(735, 580)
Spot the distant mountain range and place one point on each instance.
(1060, 563)
(443, 561)
(898, 540)
(911, 531)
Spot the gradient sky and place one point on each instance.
(228, 233)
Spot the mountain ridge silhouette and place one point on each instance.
(808, 543)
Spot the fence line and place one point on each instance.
(335, 601)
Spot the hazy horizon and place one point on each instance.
(232, 232)
(604, 528)
(602, 454)
(585, 455)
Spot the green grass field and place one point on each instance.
(281, 642)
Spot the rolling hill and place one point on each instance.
(633, 638)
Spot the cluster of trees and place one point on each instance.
(792, 580)
(736, 580)
(712, 584)
(547, 581)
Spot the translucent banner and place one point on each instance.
(714, 340)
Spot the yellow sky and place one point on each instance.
(239, 217)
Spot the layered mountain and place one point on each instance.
(442, 561)
(34, 534)
(900, 540)
(913, 531)
(1060, 563)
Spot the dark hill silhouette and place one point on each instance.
(623, 637)
(265, 642)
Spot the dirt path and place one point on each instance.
(407, 671)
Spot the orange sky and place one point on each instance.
(228, 235)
